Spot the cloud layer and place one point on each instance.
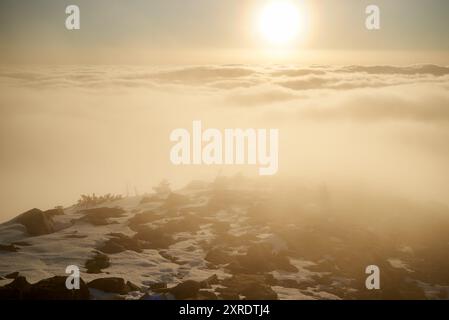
(100, 128)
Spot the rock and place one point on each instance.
(261, 258)
(207, 283)
(189, 223)
(22, 244)
(158, 286)
(153, 238)
(36, 222)
(132, 287)
(12, 275)
(142, 218)
(119, 242)
(55, 289)
(47, 289)
(206, 295)
(113, 285)
(159, 296)
(100, 216)
(8, 248)
(218, 256)
(175, 200)
(185, 290)
(55, 212)
(171, 258)
(97, 263)
(257, 291)
(253, 287)
(15, 290)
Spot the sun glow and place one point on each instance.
(280, 23)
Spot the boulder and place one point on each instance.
(185, 290)
(98, 262)
(36, 222)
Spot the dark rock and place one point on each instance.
(15, 290)
(171, 258)
(55, 289)
(8, 248)
(261, 258)
(12, 275)
(22, 244)
(218, 256)
(158, 286)
(100, 216)
(97, 263)
(119, 242)
(257, 291)
(113, 285)
(55, 212)
(47, 289)
(153, 238)
(185, 290)
(253, 287)
(36, 222)
(207, 283)
(206, 295)
(132, 287)
(142, 218)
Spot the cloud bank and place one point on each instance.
(78, 129)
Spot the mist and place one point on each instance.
(67, 131)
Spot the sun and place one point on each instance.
(280, 22)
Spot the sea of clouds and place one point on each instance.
(67, 130)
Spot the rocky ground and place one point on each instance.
(231, 239)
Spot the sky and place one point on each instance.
(198, 31)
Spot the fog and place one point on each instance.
(66, 131)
